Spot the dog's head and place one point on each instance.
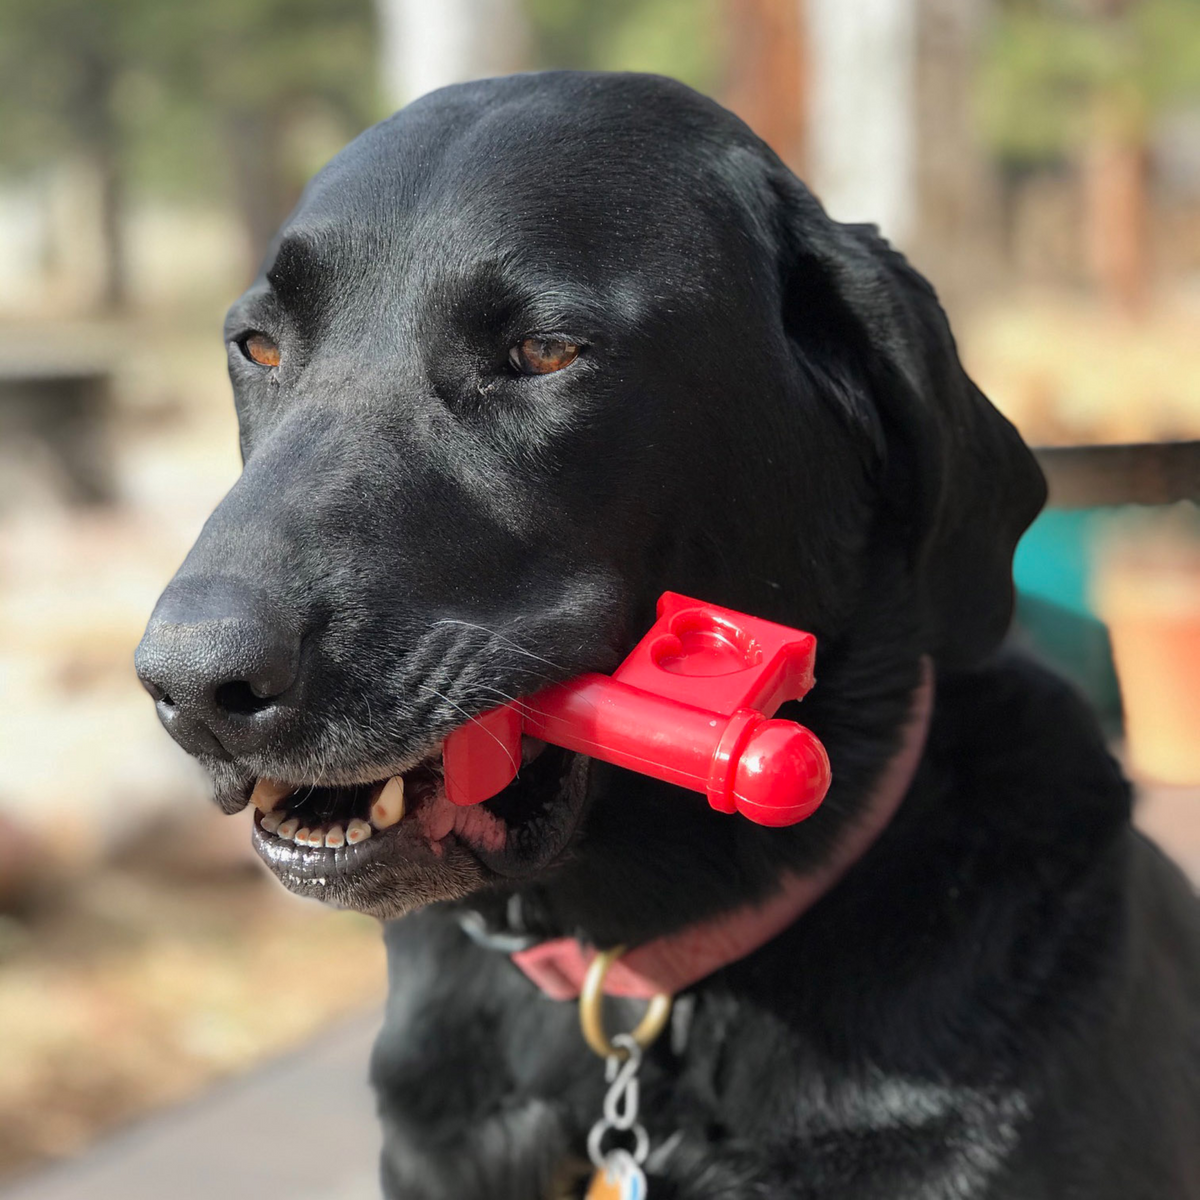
(527, 354)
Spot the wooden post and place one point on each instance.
(1115, 188)
(950, 237)
(1116, 170)
(767, 73)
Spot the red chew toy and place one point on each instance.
(690, 705)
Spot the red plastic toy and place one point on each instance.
(690, 705)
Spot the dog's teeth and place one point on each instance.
(301, 838)
(358, 831)
(287, 830)
(271, 821)
(317, 837)
(335, 837)
(267, 794)
(389, 804)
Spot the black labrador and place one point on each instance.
(527, 354)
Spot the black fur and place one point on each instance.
(1001, 998)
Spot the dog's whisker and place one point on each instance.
(506, 641)
(515, 701)
(472, 717)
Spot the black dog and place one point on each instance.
(526, 355)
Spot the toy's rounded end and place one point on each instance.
(782, 774)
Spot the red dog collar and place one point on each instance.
(676, 961)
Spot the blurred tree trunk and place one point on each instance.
(428, 44)
(1116, 182)
(115, 293)
(767, 73)
(1116, 201)
(863, 128)
(262, 191)
(955, 210)
(100, 135)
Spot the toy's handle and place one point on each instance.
(773, 772)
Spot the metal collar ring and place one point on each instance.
(591, 1014)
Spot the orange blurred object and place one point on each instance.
(1148, 592)
(767, 73)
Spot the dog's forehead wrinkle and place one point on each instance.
(296, 262)
(451, 263)
(486, 192)
(254, 303)
(512, 292)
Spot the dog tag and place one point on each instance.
(620, 1178)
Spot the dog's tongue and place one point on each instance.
(437, 817)
(475, 825)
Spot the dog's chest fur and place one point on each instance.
(496, 1101)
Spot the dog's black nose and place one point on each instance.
(221, 661)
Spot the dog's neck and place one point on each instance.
(646, 863)
(677, 960)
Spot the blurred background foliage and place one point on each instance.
(234, 100)
(680, 38)
(237, 102)
(1052, 72)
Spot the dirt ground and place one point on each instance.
(130, 990)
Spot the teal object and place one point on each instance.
(1054, 559)
(1055, 621)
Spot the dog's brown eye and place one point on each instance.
(541, 356)
(259, 348)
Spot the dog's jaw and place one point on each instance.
(386, 876)
(396, 845)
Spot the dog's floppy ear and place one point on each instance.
(958, 480)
